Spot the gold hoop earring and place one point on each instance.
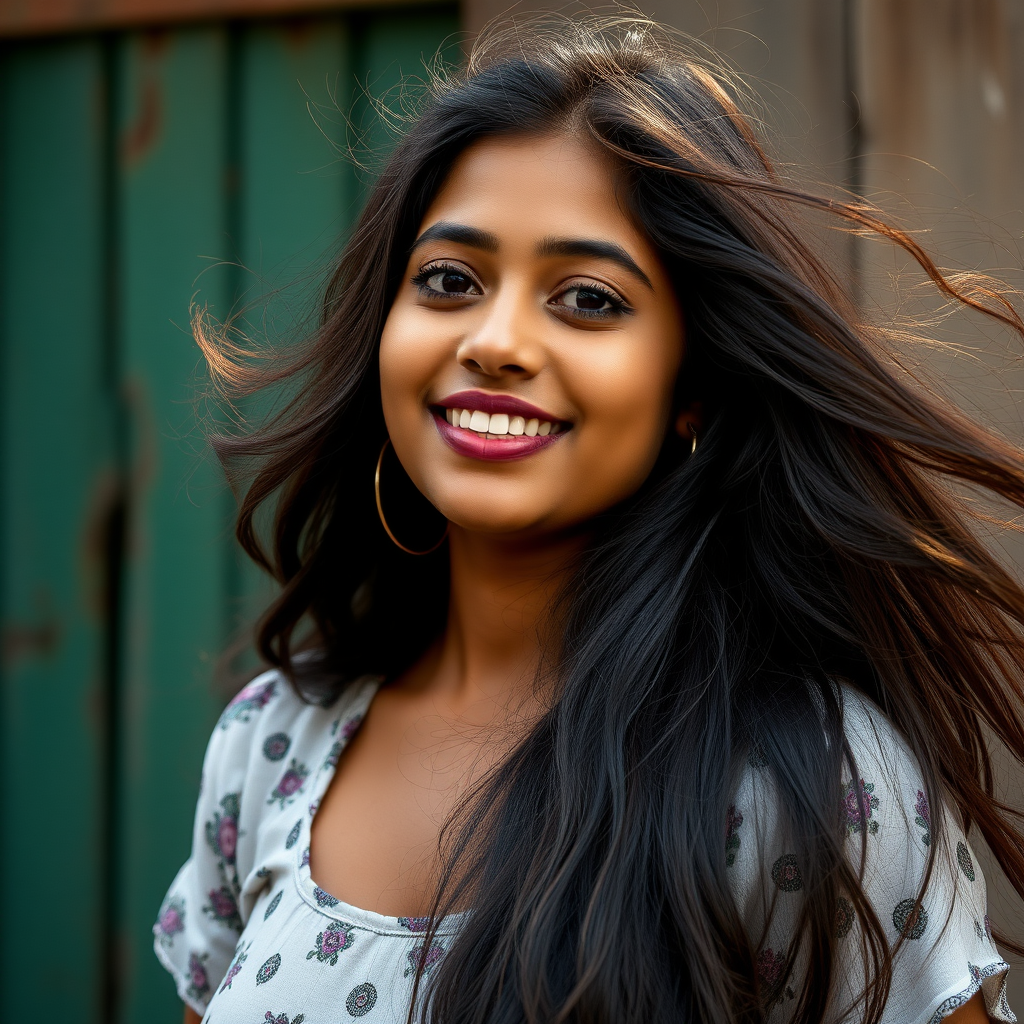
(384, 522)
(693, 446)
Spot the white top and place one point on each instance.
(249, 937)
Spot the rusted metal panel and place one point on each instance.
(58, 494)
(22, 18)
(171, 215)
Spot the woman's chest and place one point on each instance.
(375, 834)
(306, 957)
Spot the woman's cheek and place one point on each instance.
(406, 358)
(626, 416)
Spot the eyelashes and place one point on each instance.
(444, 272)
(589, 291)
(442, 281)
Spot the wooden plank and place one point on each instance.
(59, 489)
(942, 92)
(391, 60)
(791, 51)
(20, 18)
(172, 128)
(294, 202)
(941, 85)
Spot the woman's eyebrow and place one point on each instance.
(462, 234)
(595, 248)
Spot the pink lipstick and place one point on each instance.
(483, 425)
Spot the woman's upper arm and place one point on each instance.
(972, 1012)
(191, 1017)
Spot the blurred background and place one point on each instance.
(155, 153)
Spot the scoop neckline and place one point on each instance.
(320, 900)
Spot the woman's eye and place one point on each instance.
(586, 300)
(445, 281)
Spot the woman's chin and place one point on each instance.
(501, 523)
(503, 527)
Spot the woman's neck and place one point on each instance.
(499, 616)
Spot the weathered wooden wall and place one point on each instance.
(941, 90)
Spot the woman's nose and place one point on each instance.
(504, 342)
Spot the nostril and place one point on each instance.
(513, 368)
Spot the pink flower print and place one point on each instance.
(858, 804)
(988, 927)
(171, 920)
(334, 939)
(733, 821)
(222, 829)
(290, 784)
(334, 755)
(415, 924)
(348, 730)
(423, 959)
(222, 907)
(198, 982)
(255, 697)
(241, 956)
(924, 818)
(282, 1018)
(771, 968)
(227, 838)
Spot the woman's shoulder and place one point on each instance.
(268, 724)
(915, 865)
(883, 786)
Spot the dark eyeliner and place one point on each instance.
(619, 306)
(419, 280)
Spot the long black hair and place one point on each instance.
(813, 537)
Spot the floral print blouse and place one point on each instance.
(249, 937)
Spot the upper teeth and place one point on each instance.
(499, 423)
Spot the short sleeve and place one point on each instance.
(201, 917)
(943, 948)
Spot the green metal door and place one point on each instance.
(140, 172)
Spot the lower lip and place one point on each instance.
(511, 446)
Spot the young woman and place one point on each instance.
(635, 655)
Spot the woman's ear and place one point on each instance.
(689, 421)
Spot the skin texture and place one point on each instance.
(507, 321)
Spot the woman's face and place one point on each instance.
(530, 356)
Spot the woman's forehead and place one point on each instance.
(529, 188)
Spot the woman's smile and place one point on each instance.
(480, 425)
(529, 360)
